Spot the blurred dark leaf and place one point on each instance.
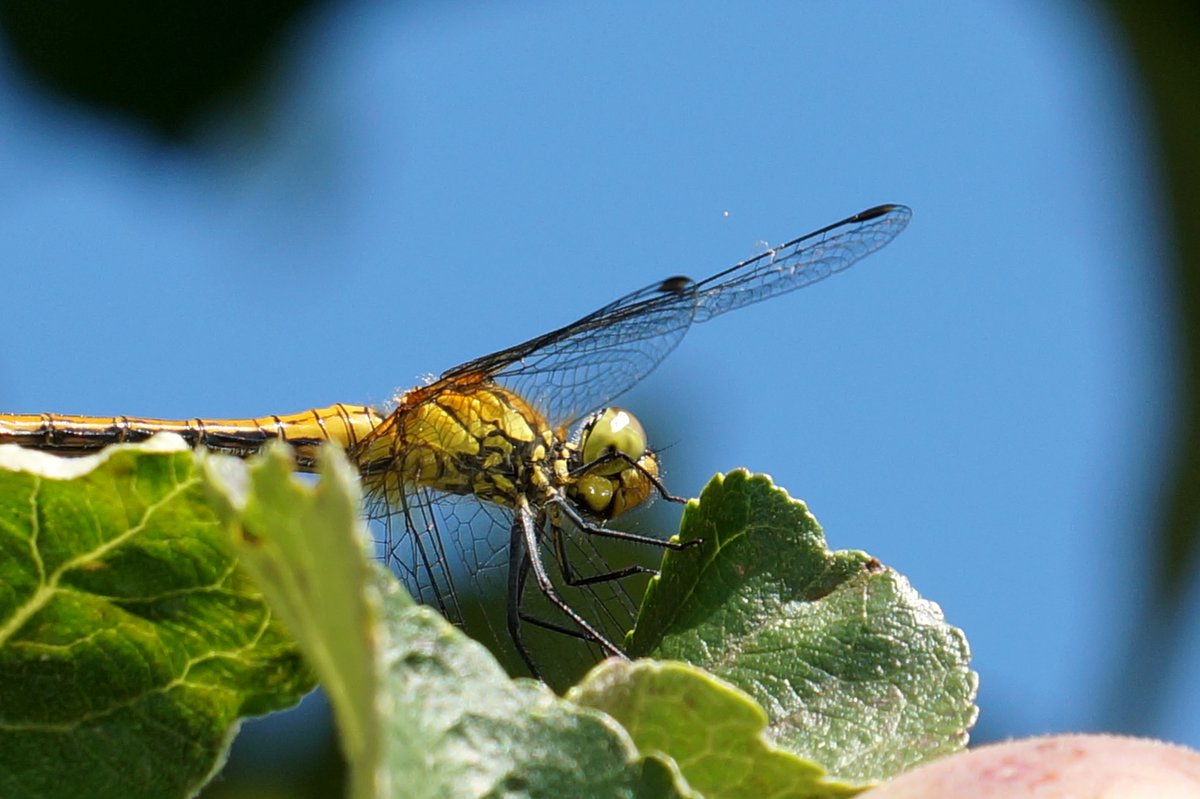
(1162, 37)
(163, 65)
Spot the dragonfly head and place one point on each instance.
(615, 469)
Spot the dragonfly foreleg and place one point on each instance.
(591, 528)
(617, 455)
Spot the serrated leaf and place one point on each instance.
(855, 671)
(711, 729)
(130, 644)
(438, 716)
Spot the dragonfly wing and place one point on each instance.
(443, 547)
(587, 364)
(800, 262)
(578, 368)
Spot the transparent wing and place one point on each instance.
(578, 368)
(434, 541)
(801, 262)
(583, 366)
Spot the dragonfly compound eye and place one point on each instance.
(613, 430)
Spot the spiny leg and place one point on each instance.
(525, 556)
(518, 570)
(592, 528)
(558, 538)
(616, 455)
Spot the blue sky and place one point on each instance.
(982, 405)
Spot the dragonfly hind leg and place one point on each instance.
(525, 557)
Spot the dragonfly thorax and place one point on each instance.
(479, 439)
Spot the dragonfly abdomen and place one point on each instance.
(61, 434)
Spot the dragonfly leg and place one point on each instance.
(518, 571)
(617, 455)
(573, 579)
(552, 627)
(592, 528)
(524, 558)
(655, 480)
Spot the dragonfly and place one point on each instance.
(523, 442)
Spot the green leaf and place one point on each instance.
(304, 546)
(424, 710)
(711, 729)
(130, 644)
(456, 725)
(856, 672)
